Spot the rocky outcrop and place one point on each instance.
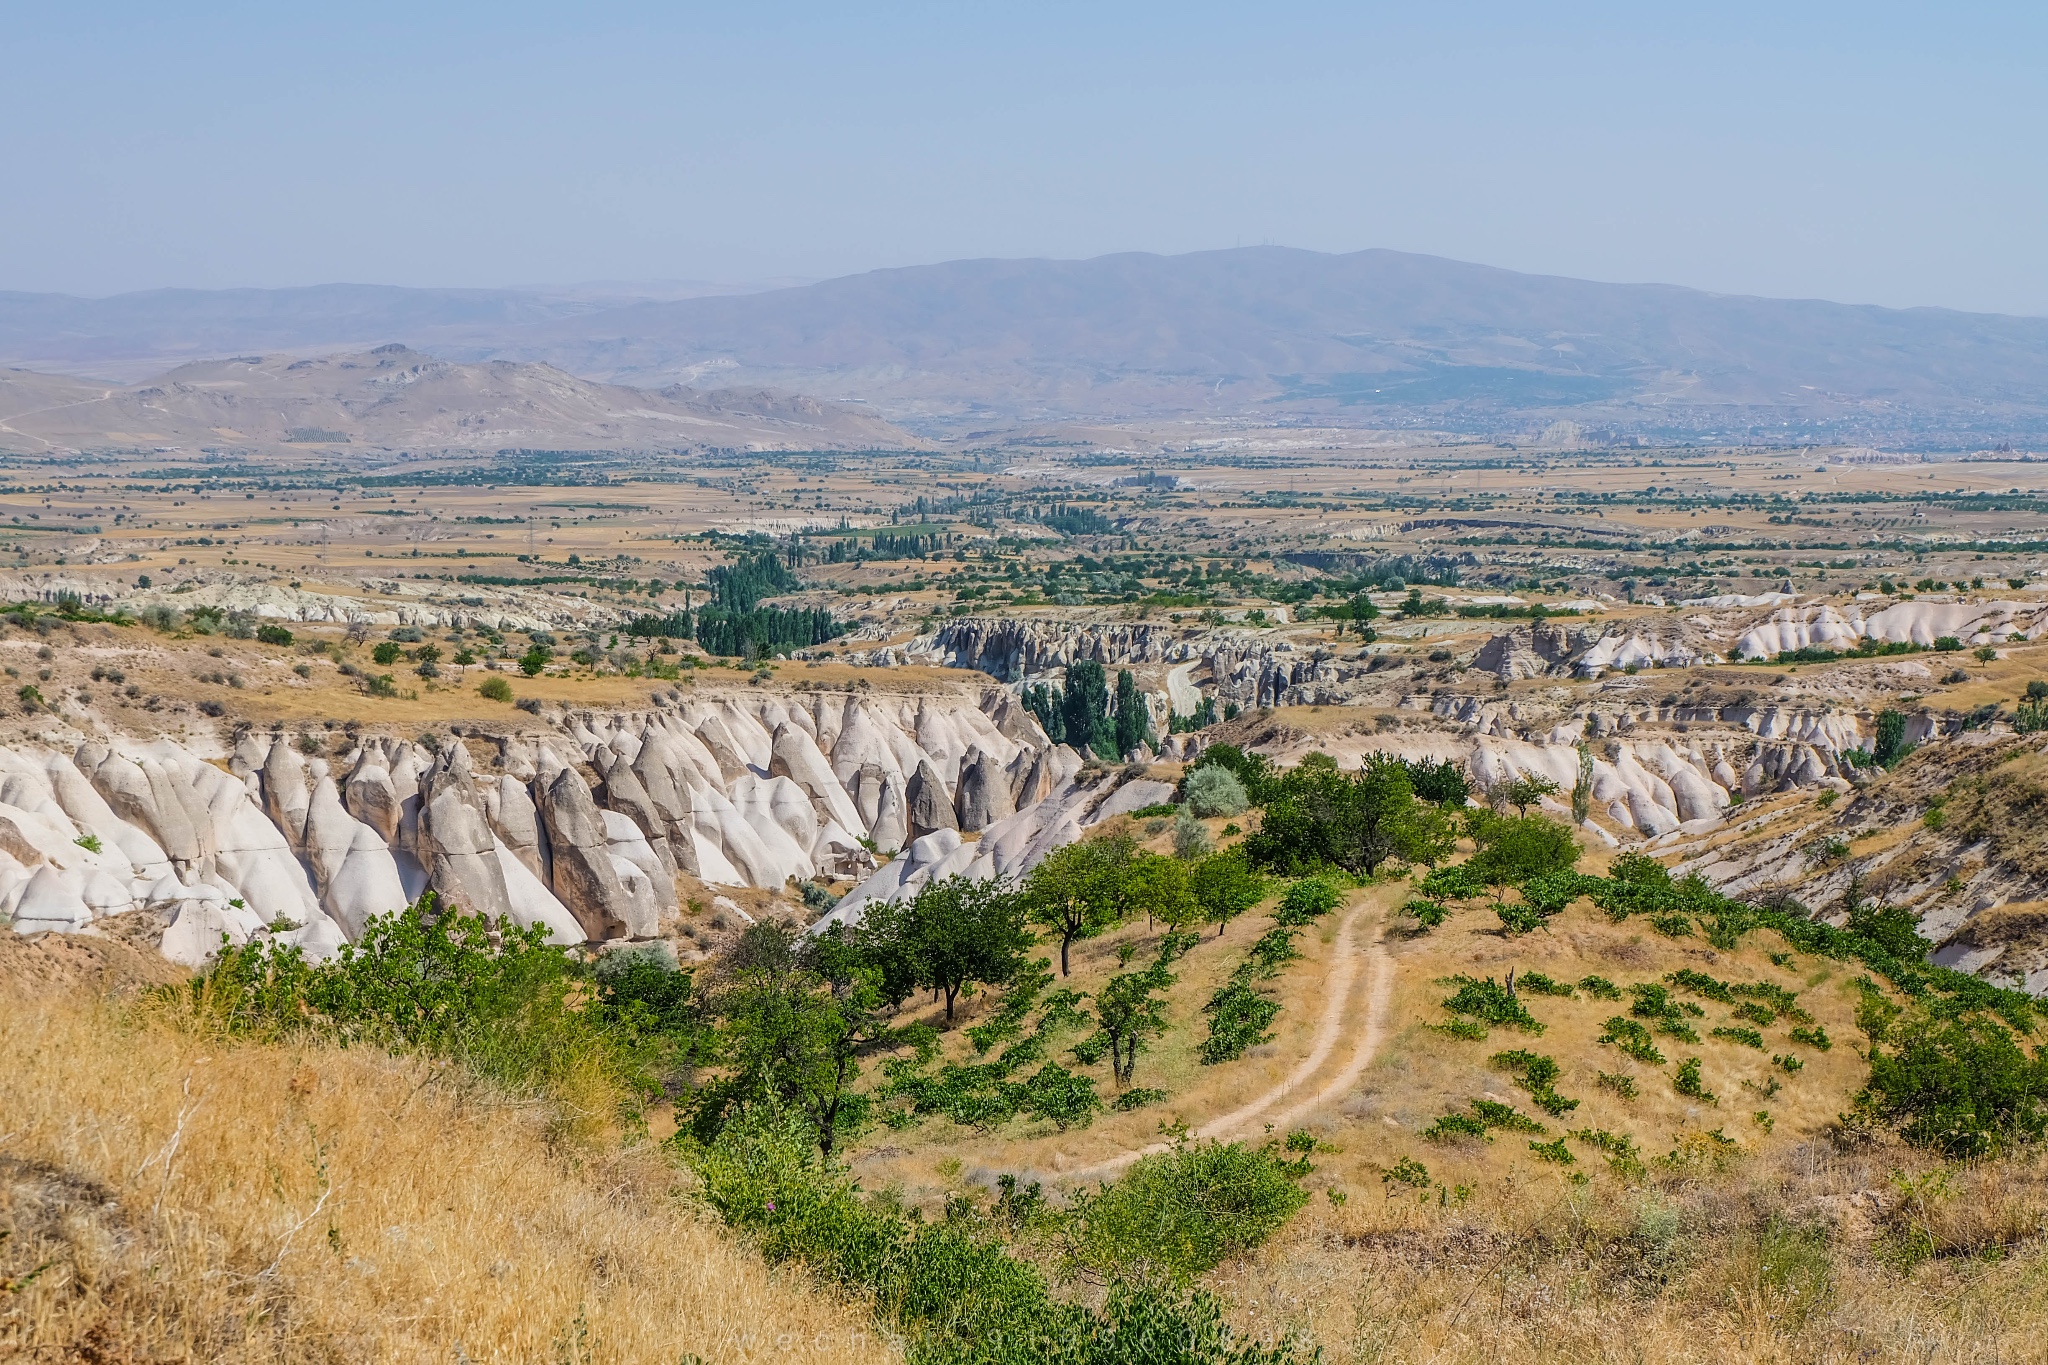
(983, 796)
(1917, 622)
(1532, 651)
(930, 808)
(583, 877)
(454, 841)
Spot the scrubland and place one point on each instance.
(174, 1195)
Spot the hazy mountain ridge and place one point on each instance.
(394, 397)
(1372, 337)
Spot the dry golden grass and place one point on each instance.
(189, 1199)
(1805, 1255)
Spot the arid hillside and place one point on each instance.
(393, 398)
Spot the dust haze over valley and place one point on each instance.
(1250, 806)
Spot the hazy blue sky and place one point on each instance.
(1870, 152)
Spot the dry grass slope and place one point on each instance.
(174, 1197)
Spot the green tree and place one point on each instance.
(1190, 836)
(1442, 783)
(1128, 1011)
(1079, 890)
(1160, 887)
(1048, 706)
(1514, 848)
(1133, 722)
(885, 942)
(1889, 746)
(1582, 790)
(1213, 789)
(1960, 1085)
(1524, 791)
(1085, 708)
(795, 1024)
(1252, 771)
(964, 930)
(1225, 885)
(1319, 816)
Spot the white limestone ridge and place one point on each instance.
(1918, 622)
(582, 829)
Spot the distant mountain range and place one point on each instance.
(396, 399)
(1373, 338)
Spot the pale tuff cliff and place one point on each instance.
(582, 829)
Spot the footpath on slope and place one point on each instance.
(1309, 1087)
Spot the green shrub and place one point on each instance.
(386, 653)
(1654, 1002)
(1688, 1081)
(1544, 985)
(1240, 1018)
(1553, 1151)
(1309, 899)
(498, 999)
(1536, 1074)
(1623, 1156)
(1489, 1002)
(1515, 848)
(1212, 790)
(1273, 950)
(1494, 1114)
(1429, 914)
(1815, 1037)
(494, 688)
(1451, 1127)
(1962, 1086)
(1456, 883)
(1624, 1086)
(1550, 892)
(943, 1285)
(1516, 918)
(273, 635)
(1633, 1039)
(1748, 1037)
(1178, 1214)
(1600, 988)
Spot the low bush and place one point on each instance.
(1688, 1081)
(1485, 1117)
(494, 688)
(1213, 790)
(1308, 899)
(1633, 1039)
(1429, 914)
(1960, 1085)
(1747, 1037)
(1458, 882)
(1181, 1213)
(1489, 1002)
(1240, 1019)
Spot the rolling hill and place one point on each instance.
(394, 398)
(1371, 338)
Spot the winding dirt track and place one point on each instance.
(1309, 1086)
